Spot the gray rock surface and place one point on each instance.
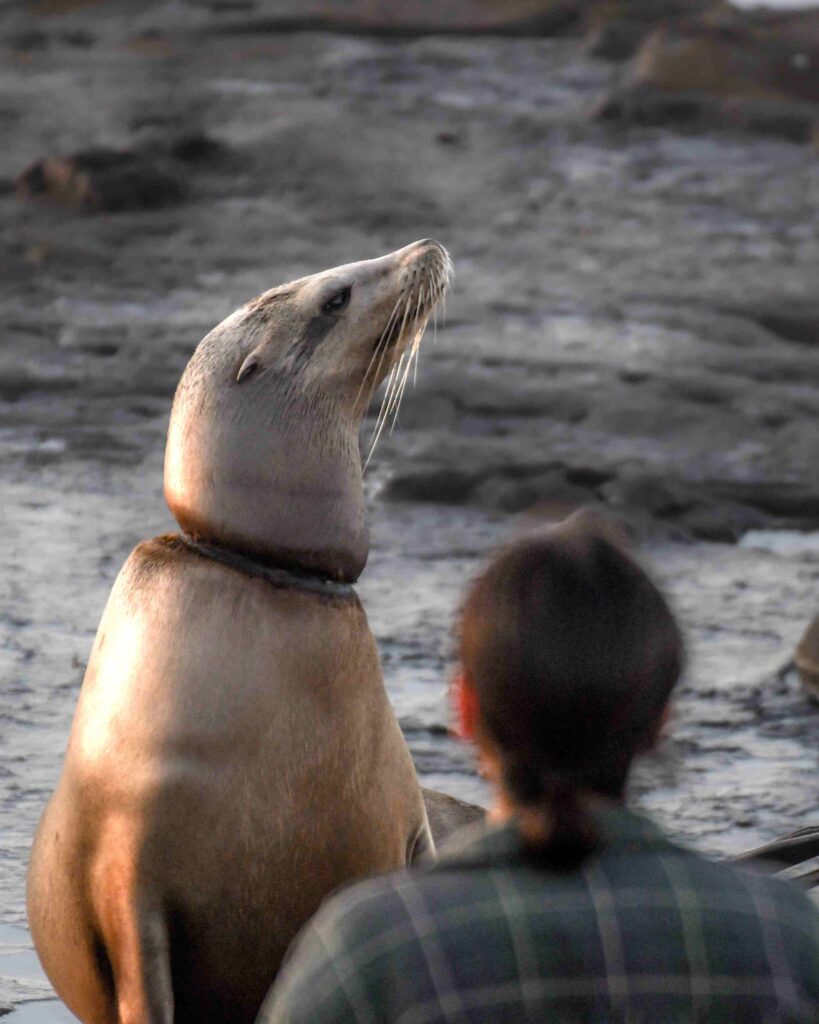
(753, 71)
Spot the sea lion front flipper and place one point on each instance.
(448, 815)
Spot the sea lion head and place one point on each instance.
(263, 454)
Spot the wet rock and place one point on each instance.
(692, 508)
(101, 180)
(98, 341)
(413, 17)
(754, 73)
(27, 41)
(782, 499)
(793, 321)
(616, 28)
(15, 383)
(658, 496)
(551, 493)
(655, 107)
(441, 484)
(807, 658)
(721, 521)
(616, 40)
(196, 147)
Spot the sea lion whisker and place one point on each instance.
(400, 394)
(366, 376)
(382, 416)
(406, 314)
(386, 402)
(394, 379)
(380, 350)
(383, 344)
(413, 356)
(402, 370)
(375, 380)
(375, 355)
(421, 294)
(416, 345)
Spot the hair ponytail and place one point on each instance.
(563, 834)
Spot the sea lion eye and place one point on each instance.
(337, 302)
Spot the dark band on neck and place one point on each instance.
(276, 576)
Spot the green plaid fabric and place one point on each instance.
(645, 932)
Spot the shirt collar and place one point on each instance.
(484, 845)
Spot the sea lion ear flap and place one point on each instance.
(249, 366)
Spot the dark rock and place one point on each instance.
(791, 320)
(27, 41)
(742, 71)
(414, 17)
(807, 658)
(196, 147)
(443, 484)
(700, 510)
(15, 383)
(657, 496)
(81, 39)
(588, 476)
(616, 28)
(550, 492)
(617, 40)
(646, 105)
(449, 138)
(721, 522)
(786, 500)
(100, 180)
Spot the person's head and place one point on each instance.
(569, 654)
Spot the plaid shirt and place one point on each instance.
(644, 932)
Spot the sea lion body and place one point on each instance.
(233, 757)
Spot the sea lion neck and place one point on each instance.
(277, 575)
(271, 473)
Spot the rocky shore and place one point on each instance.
(634, 325)
(636, 317)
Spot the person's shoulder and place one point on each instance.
(770, 898)
(385, 902)
(370, 905)
(770, 891)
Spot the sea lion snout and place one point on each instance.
(426, 247)
(426, 256)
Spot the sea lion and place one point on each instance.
(233, 756)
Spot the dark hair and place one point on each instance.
(573, 653)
